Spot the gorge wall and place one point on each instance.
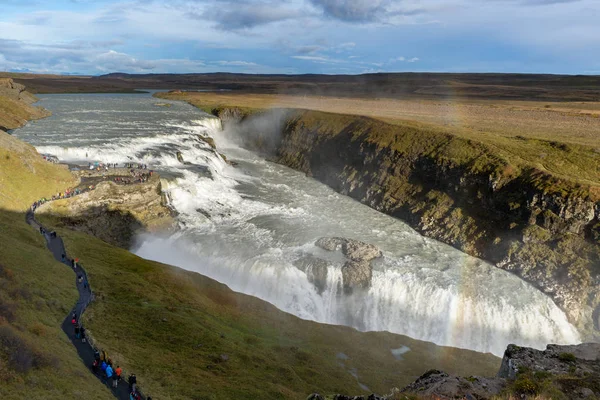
(16, 105)
(522, 219)
(112, 212)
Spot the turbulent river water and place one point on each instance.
(246, 226)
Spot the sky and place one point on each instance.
(95, 37)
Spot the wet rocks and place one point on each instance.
(357, 271)
(209, 141)
(180, 157)
(330, 243)
(355, 250)
(356, 274)
(360, 251)
(315, 269)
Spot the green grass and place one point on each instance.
(37, 361)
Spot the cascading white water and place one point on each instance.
(248, 226)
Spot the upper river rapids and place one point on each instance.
(245, 226)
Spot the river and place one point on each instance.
(247, 226)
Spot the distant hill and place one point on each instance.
(386, 85)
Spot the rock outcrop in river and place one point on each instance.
(542, 228)
(357, 270)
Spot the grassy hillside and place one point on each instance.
(36, 359)
(25, 176)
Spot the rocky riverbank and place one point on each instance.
(523, 219)
(114, 211)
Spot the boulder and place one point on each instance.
(330, 243)
(356, 275)
(556, 359)
(357, 271)
(360, 251)
(355, 250)
(209, 141)
(315, 269)
(445, 386)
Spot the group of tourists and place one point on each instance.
(136, 166)
(101, 166)
(69, 193)
(61, 195)
(50, 158)
(112, 375)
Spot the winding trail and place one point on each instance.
(84, 349)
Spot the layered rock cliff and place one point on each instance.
(113, 212)
(16, 105)
(523, 219)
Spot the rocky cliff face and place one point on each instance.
(114, 213)
(545, 230)
(15, 105)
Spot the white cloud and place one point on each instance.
(404, 59)
(237, 63)
(115, 61)
(318, 59)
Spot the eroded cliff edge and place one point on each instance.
(113, 212)
(521, 218)
(16, 105)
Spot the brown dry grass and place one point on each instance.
(562, 139)
(573, 122)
